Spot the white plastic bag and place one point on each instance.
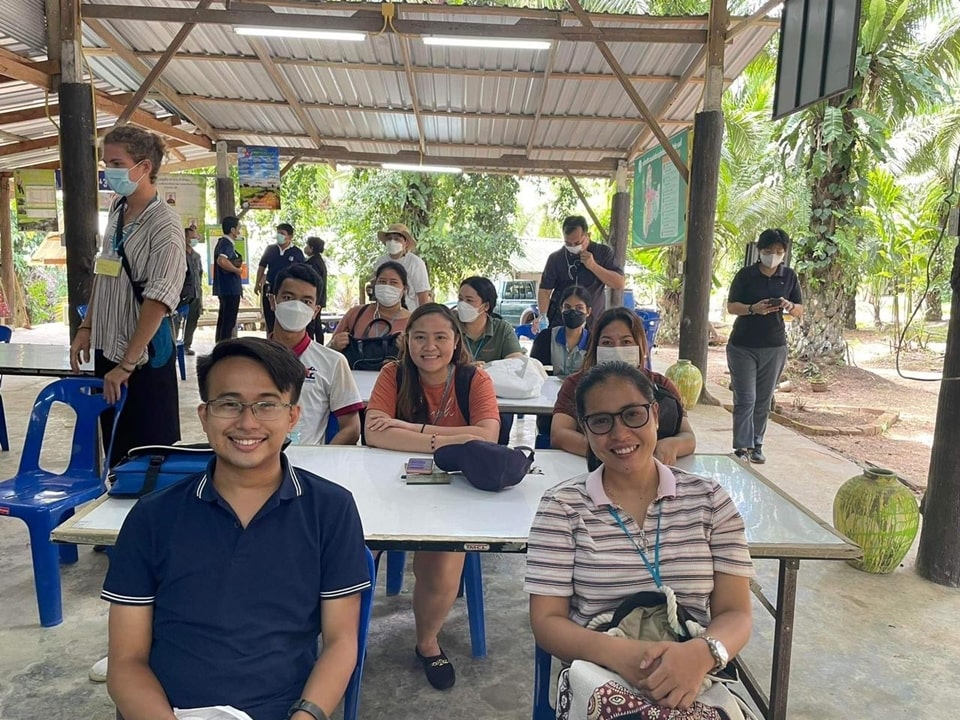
(516, 378)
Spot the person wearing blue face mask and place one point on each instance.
(138, 277)
(275, 258)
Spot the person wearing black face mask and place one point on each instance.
(564, 346)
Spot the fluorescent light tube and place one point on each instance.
(307, 34)
(505, 44)
(411, 167)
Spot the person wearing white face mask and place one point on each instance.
(487, 336)
(760, 295)
(399, 245)
(619, 336)
(275, 258)
(579, 262)
(386, 316)
(328, 387)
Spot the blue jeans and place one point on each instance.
(754, 373)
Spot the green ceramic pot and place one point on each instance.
(880, 515)
(686, 376)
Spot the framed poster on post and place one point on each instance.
(660, 196)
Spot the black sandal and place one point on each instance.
(438, 669)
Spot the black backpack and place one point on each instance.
(462, 378)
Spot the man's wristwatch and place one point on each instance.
(720, 655)
(309, 708)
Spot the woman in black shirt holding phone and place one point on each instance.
(757, 350)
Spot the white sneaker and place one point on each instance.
(98, 673)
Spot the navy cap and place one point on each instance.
(486, 465)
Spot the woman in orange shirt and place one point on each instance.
(414, 407)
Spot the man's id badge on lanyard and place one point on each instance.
(108, 265)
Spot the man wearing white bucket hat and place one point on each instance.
(399, 244)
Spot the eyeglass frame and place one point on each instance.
(585, 419)
(220, 404)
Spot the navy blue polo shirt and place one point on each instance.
(225, 283)
(274, 260)
(236, 611)
(750, 286)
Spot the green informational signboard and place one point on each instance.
(660, 196)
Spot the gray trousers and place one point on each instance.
(754, 373)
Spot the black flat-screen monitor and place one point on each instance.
(818, 51)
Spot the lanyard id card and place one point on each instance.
(108, 265)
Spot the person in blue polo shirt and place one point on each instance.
(220, 584)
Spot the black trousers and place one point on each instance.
(227, 317)
(151, 414)
(193, 317)
(269, 316)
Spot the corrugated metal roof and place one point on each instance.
(475, 104)
(26, 22)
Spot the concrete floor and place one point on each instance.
(865, 646)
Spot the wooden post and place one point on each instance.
(78, 164)
(8, 277)
(701, 216)
(938, 559)
(226, 200)
(620, 226)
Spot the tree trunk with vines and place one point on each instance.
(669, 298)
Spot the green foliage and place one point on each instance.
(44, 289)
(463, 223)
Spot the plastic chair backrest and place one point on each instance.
(351, 698)
(85, 396)
(525, 331)
(6, 332)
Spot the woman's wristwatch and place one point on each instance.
(720, 655)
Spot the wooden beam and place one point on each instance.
(583, 200)
(381, 67)
(209, 161)
(512, 163)
(29, 146)
(543, 96)
(147, 121)
(414, 98)
(372, 22)
(755, 19)
(339, 141)
(169, 93)
(633, 94)
(22, 69)
(160, 65)
(29, 114)
(644, 136)
(289, 166)
(625, 120)
(283, 85)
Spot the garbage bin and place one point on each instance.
(651, 323)
(629, 301)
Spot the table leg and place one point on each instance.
(783, 638)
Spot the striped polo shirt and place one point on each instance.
(153, 244)
(577, 550)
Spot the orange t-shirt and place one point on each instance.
(483, 398)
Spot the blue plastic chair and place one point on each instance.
(351, 698)
(333, 427)
(44, 499)
(651, 323)
(82, 311)
(182, 313)
(542, 709)
(5, 334)
(471, 585)
(525, 331)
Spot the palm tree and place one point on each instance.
(899, 70)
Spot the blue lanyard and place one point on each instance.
(655, 568)
(475, 351)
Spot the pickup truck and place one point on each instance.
(517, 301)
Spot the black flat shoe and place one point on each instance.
(743, 454)
(757, 457)
(438, 669)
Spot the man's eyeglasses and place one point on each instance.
(233, 409)
(633, 416)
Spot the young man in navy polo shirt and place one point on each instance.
(219, 585)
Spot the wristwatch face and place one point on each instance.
(719, 652)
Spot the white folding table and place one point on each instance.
(397, 516)
(39, 360)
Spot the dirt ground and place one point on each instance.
(870, 380)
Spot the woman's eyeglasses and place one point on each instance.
(233, 409)
(633, 416)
